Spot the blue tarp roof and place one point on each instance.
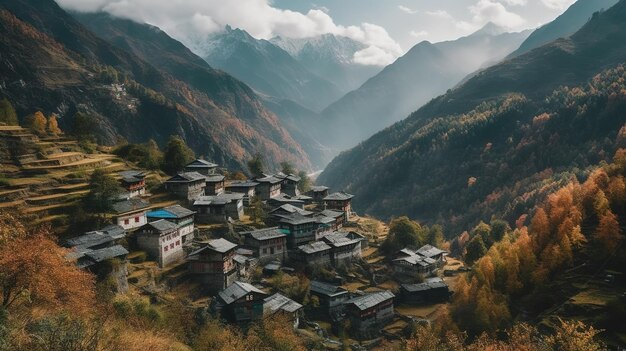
(161, 214)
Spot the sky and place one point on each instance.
(388, 28)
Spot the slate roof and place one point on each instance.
(107, 253)
(268, 179)
(284, 198)
(340, 196)
(331, 213)
(428, 284)
(318, 188)
(416, 260)
(292, 209)
(186, 177)
(340, 239)
(296, 219)
(316, 246)
(429, 251)
(292, 177)
(215, 178)
(326, 289)
(237, 290)
(221, 199)
(242, 184)
(278, 302)
(130, 205)
(162, 225)
(266, 234)
(370, 300)
(221, 245)
(132, 174)
(98, 237)
(198, 163)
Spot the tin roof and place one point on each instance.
(237, 290)
(130, 205)
(326, 289)
(266, 233)
(370, 300)
(198, 163)
(313, 247)
(339, 196)
(430, 283)
(278, 302)
(216, 200)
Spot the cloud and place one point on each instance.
(418, 34)
(439, 14)
(191, 21)
(491, 11)
(558, 4)
(407, 10)
(516, 2)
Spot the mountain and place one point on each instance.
(145, 86)
(330, 57)
(424, 72)
(498, 142)
(565, 25)
(267, 68)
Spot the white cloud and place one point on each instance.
(192, 20)
(516, 2)
(491, 11)
(408, 10)
(558, 4)
(439, 14)
(418, 34)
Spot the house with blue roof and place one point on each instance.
(179, 215)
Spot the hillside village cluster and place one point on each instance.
(304, 230)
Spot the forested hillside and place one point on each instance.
(508, 135)
(52, 61)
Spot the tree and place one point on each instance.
(304, 184)
(608, 232)
(176, 155)
(34, 270)
(498, 229)
(52, 125)
(287, 168)
(102, 190)
(475, 250)
(259, 213)
(435, 236)
(7, 113)
(146, 155)
(37, 123)
(403, 232)
(574, 336)
(255, 166)
(484, 230)
(11, 228)
(83, 126)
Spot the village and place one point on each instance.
(226, 245)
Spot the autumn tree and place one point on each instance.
(608, 232)
(34, 271)
(11, 228)
(36, 122)
(7, 113)
(52, 125)
(574, 336)
(256, 166)
(304, 184)
(176, 155)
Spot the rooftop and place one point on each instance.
(318, 188)
(185, 177)
(130, 205)
(98, 237)
(268, 179)
(429, 251)
(221, 245)
(289, 208)
(370, 300)
(198, 163)
(171, 212)
(278, 302)
(266, 234)
(340, 239)
(316, 246)
(340, 196)
(242, 184)
(296, 219)
(332, 213)
(162, 225)
(221, 199)
(326, 289)
(430, 283)
(215, 178)
(237, 290)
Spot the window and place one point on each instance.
(171, 245)
(264, 251)
(126, 221)
(177, 242)
(136, 219)
(165, 249)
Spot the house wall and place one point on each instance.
(165, 249)
(189, 191)
(268, 250)
(214, 188)
(345, 254)
(370, 320)
(267, 191)
(132, 221)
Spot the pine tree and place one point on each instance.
(7, 113)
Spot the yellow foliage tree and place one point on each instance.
(37, 123)
(52, 127)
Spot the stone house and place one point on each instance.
(130, 214)
(331, 297)
(300, 229)
(269, 187)
(213, 265)
(421, 262)
(240, 303)
(219, 208)
(187, 185)
(245, 187)
(340, 201)
(280, 304)
(315, 253)
(289, 184)
(133, 182)
(267, 244)
(369, 313)
(182, 217)
(203, 167)
(161, 241)
(338, 216)
(432, 290)
(214, 184)
(345, 247)
(284, 199)
(318, 193)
